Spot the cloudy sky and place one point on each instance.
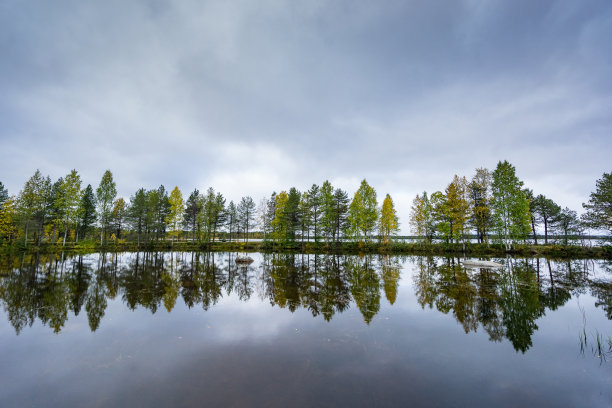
(251, 97)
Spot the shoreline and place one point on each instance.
(352, 248)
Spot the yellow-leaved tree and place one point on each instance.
(175, 216)
(388, 224)
(8, 216)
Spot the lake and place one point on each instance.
(196, 329)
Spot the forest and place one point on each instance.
(493, 207)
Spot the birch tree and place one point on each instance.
(105, 195)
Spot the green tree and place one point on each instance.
(341, 206)
(137, 212)
(8, 217)
(314, 205)
(599, 208)
(568, 223)
(192, 211)
(280, 224)
(439, 205)
(69, 200)
(87, 211)
(3, 193)
(119, 216)
(457, 207)
(32, 203)
(158, 208)
(175, 215)
(547, 211)
(232, 219)
(327, 210)
(422, 218)
(388, 224)
(292, 213)
(510, 205)
(105, 194)
(246, 215)
(532, 213)
(363, 212)
(480, 202)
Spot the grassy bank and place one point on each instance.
(441, 249)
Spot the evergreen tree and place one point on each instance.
(246, 215)
(3, 194)
(341, 206)
(87, 211)
(548, 212)
(292, 213)
(327, 210)
(137, 212)
(510, 205)
(314, 205)
(568, 223)
(599, 208)
(232, 219)
(105, 194)
(161, 211)
(192, 210)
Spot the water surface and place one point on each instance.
(193, 329)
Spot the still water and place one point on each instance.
(195, 329)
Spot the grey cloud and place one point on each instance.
(252, 97)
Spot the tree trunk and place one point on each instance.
(65, 233)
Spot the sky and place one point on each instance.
(252, 97)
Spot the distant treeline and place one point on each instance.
(493, 206)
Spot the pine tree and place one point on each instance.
(137, 212)
(87, 211)
(599, 208)
(327, 210)
(246, 215)
(192, 210)
(547, 211)
(341, 206)
(3, 194)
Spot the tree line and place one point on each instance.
(493, 206)
(63, 211)
(497, 205)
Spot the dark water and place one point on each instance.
(182, 329)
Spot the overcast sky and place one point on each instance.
(251, 97)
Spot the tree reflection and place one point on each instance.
(506, 303)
